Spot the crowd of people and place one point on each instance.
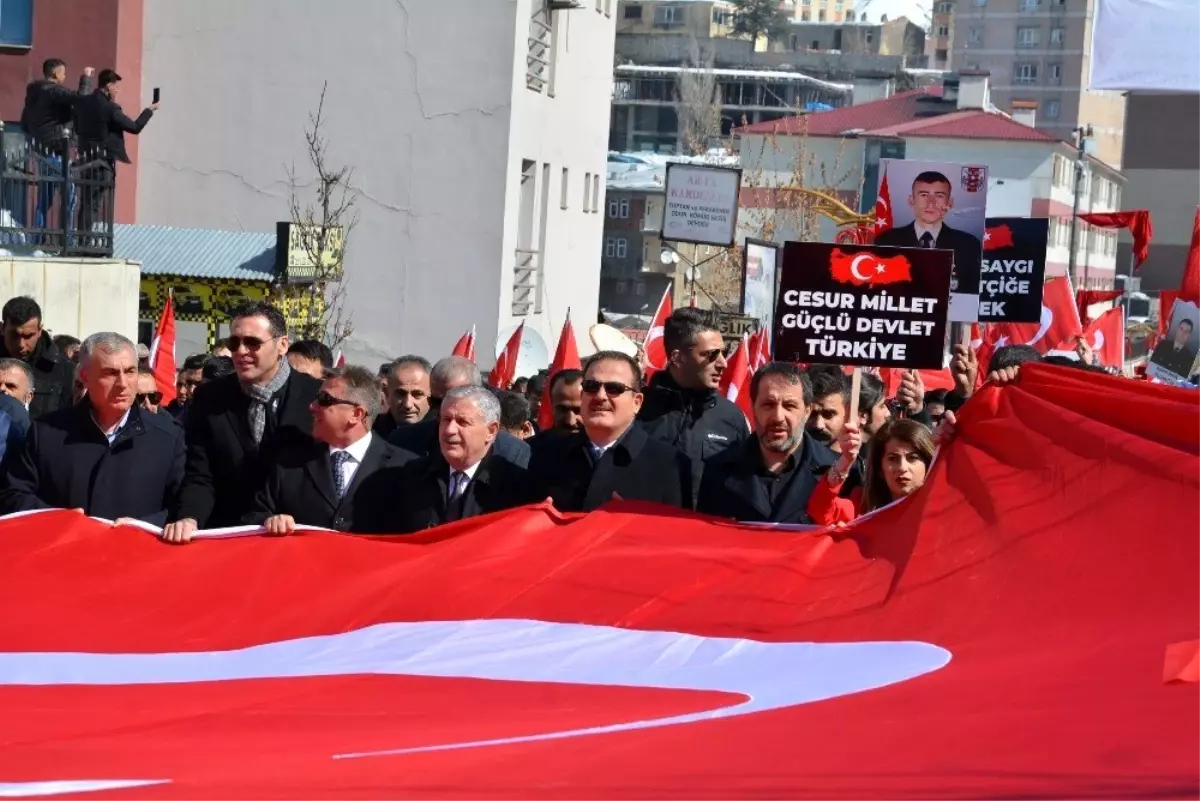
(268, 432)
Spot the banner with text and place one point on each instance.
(701, 204)
(1013, 270)
(862, 305)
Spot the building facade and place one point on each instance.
(820, 10)
(939, 45)
(702, 19)
(1038, 51)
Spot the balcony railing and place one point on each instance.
(537, 59)
(47, 209)
(526, 274)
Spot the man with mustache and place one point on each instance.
(770, 477)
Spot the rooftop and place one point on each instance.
(647, 172)
(197, 252)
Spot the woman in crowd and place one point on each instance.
(898, 460)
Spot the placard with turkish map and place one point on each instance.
(1013, 270)
(863, 305)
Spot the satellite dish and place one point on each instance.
(534, 355)
(605, 337)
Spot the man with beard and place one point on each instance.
(566, 401)
(770, 477)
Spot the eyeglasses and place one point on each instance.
(710, 356)
(252, 343)
(611, 388)
(154, 397)
(326, 400)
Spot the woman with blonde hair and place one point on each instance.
(898, 460)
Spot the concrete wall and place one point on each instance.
(425, 127)
(78, 296)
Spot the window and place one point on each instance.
(610, 249)
(944, 7)
(587, 192)
(1028, 37)
(595, 193)
(1030, 5)
(632, 12)
(720, 16)
(943, 31)
(793, 41)
(821, 15)
(839, 5)
(669, 16)
(1057, 35)
(16, 23)
(976, 35)
(622, 286)
(805, 16)
(566, 184)
(870, 37)
(1054, 74)
(1025, 72)
(1053, 109)
(941, 55)
(618, 209)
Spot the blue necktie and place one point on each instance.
(339, 459)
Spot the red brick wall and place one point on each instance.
(92, 33)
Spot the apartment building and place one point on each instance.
(702, 19)
(1039, 52)
(941, 35)
(820, 10)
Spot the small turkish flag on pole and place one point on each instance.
(162, 351)
(465, 347)
(504, 372)
(655, 348)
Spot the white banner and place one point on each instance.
(701, 204)
(1146, 45)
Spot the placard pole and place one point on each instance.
(855, 388)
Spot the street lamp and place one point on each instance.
(1082, 134)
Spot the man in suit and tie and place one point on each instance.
(345, 478)
(770, 477)
(464, 477)
(930, 201)
(236, 424)
(1174, 355)
(613, 457)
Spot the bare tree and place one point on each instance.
(699, 103)
(315, 303)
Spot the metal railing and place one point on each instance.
(47, 209)
(537, 59)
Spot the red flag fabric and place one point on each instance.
(655, 349)
(996, 237)
(566, 357)
(1189, 287)
(760, 349)
(1106, 336)
(932, 379)
(339, 360)
(1086, 297)
(465, 347)
(1139, 224)
(505, 370)
(883, 207)
(867, 268)
(631, 655)
(1059, 324)
(162, 351)
(735, 381)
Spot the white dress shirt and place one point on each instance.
(113, 434)
(356, 452)
(921, 230)
(470, 474)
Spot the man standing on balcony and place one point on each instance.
(102, 125)
(46, 119)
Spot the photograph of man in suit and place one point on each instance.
(931, 201)
(1174, 354)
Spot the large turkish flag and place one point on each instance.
(1017, 628)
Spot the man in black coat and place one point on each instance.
(612, 457)
(104, 455)
(770, 477)
(49, 104)
(930, 201)
(463, 477)
(345, 478)
(235, 424)
(25, 339)
(683, 408)
(420, 439)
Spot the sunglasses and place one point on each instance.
(252, 343)
(710, 356)
(154, 397)
(325, 400)
(611, 388)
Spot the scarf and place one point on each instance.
(260, 396)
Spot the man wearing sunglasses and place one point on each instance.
(683, 408)
(420, 439)
(342, 479)
(104, 455)
(236, 423)
(612, 458)
(148, 396)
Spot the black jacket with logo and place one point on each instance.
(700, 423)
(53, 376)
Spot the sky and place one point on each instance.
(915, 10)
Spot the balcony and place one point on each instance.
(527, 270)
(46, 210)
